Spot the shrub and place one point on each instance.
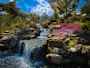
(32, 24)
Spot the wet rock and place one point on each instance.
(14, 41)
(45, 25)
(3, 48)
(28, 37)
(9, 43)
(37, 33)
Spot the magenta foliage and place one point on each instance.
(66, 28)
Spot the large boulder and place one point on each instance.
(56, 59)
(55, 43)
(53, 58)
(56, 50)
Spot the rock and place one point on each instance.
(36, 32)
(87, 56)
(56, 38)
(76, 48)
(28, 37)
(3, 48)
(53, 58)
(56, 50)
(33, 36)
(83, 41)
(56, 59)
(45, 25)
(14, 41)
(86, 49)
(55, 43)
(9, 43)
(78, 59)
(31, 29)
(50, 35)
(1, 44)
(89, 62)
(72, 49)
(1, 36)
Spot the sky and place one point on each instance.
(36, 6)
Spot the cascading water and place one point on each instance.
(44, 32)
(30, 53)
(26, 52)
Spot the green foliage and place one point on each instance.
(85, 27)
(58, 21)
(34, 18)
(10, 8)
(63, 6)
(32, 24)
(86, 9)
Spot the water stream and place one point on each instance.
(30, 53)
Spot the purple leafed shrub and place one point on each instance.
(66, 28)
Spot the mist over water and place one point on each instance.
(13, 62)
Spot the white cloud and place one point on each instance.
(40, 0)
(27, 7)
(42, 7)
(12, 0)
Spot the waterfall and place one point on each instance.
(19, 47)
(26, 52)
(30, 52)
(44, 32)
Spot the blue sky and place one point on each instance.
(36, 6)
(81, 4)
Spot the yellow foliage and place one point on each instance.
(72, 43)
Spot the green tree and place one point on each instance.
(64, 6)
(86, 9)
(87, 2)
(35, 18)
(10, 8)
